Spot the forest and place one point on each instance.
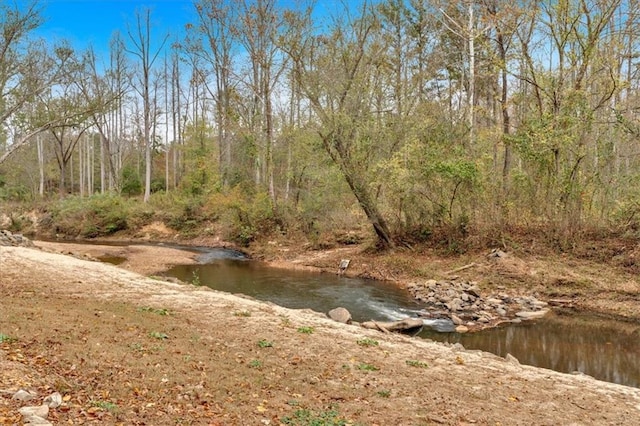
(404, 120)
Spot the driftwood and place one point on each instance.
(565, 303)
(387, 327)
(462, 268)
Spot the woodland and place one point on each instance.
(400, 120)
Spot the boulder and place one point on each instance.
(340, 315)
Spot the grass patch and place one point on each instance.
(367, 367)
(304, 417)
(242, 313)
(105, 405)
(6, 339)
(162, 312)
(367, 342)
(158, 335)
(419, 364)
(264, 343)
(306, 330)
(195, 279)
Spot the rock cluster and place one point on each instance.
(37, 414)
(468, 309)
(16, 240)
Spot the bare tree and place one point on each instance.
(27, 69)
(140, 38)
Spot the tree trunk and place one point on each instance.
(370, 209)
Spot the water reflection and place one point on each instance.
(604, 349)
(365, 299)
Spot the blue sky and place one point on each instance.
(92, 22)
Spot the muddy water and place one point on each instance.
(607, 350)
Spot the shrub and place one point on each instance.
(91, 217)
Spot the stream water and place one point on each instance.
(605, 349)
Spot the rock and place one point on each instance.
(539, 304)
(54, 400)
(474, 291)
(462, 329)
(35, 415)
(406, 324)
(454, 305)
(430, 284)
(340, 315)
(462, 298)
(512, 359)
(37, 420)
(456, 319)
(497, 253)
(16, 240)
(531, 314)
(23, 395)
(458, 347)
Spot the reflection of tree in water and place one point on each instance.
(605, 349)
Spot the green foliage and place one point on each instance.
(158, 335)
(367, 367)
(255, 363)
(419, 364)
(90, 217)
(384, 393)
(304, 417)
(264, 343)
(244, 217)
(195, 279)
(162, 311)
(306, 330)
(105, 405)
(430, 180)
(367, 342)
(158, 184)
(131, 181)
(6, 338)
(200, 174)
(17, 192)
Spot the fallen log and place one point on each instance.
(406, 324)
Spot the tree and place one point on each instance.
(214, 40)
(106, 92)
(334, 74)
(260, 25)
(67, 111)
(140, 38)
(27, 69)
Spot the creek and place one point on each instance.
(605, 349)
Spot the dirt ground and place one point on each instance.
(124, 348)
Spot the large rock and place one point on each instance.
(16, 240)
(341, 315)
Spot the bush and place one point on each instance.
(131, 182)
(90, 217)
(245, 217)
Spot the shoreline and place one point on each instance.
(129, 348)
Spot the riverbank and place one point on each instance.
(122, 348)
(602, 286)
